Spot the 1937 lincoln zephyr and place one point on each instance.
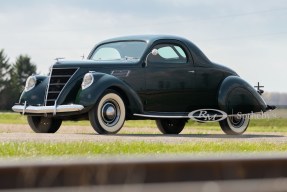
(165, 78)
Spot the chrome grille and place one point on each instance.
(58, 79)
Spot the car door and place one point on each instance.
(169, 79)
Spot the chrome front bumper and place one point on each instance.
(47, 109)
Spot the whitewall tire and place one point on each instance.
(109, 113)
(234, 125)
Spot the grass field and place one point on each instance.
(31, 149)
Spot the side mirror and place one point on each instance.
(154, 52)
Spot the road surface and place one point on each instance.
(10, 132)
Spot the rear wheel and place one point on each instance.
(109, 113)
(170, 126)
(234, 125)
(40, 124)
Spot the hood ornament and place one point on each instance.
(59, 58)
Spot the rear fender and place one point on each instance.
(237, 96)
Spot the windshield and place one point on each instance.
(128, 51)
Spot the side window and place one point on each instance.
(169, 53)
(107, 53)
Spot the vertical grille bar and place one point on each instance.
(58, 79)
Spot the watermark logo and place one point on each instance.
(257, 115)
(215, 115)
(207, 115)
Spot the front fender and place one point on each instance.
(89, 96)
(35, 96)
(237, 96)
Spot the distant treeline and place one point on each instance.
(12, 78)
(277, 99)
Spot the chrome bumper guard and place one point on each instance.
(47, 109)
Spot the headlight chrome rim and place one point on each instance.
(87, 80)
(30, 83)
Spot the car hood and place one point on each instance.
(89, 63)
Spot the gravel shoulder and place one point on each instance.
(22, 133)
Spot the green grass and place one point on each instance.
(35, 149)
(12, 118)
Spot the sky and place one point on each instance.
(249, 36)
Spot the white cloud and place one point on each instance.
(229, 32)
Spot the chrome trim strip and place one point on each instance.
(179, 116)
(47, 109)
(55, 108)
(48, 86)
(24, 107)
(161, 116)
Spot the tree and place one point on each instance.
(13, 78)
(4, 70)
(4, 78)
(19, 72)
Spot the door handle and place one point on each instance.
(191, 71)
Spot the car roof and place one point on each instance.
(150, 39)
(146, 38)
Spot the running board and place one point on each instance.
(163, 115)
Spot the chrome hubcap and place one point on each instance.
(237, 122)
(110, 113)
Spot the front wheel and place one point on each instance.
(234, 125)
(40, 124)
(170, 126)
(109, 113)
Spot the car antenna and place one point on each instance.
(83, 57)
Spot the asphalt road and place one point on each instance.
(85, 133)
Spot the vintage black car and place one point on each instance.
(165, 78)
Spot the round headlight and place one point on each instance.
(88, 80)
(30, 83)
